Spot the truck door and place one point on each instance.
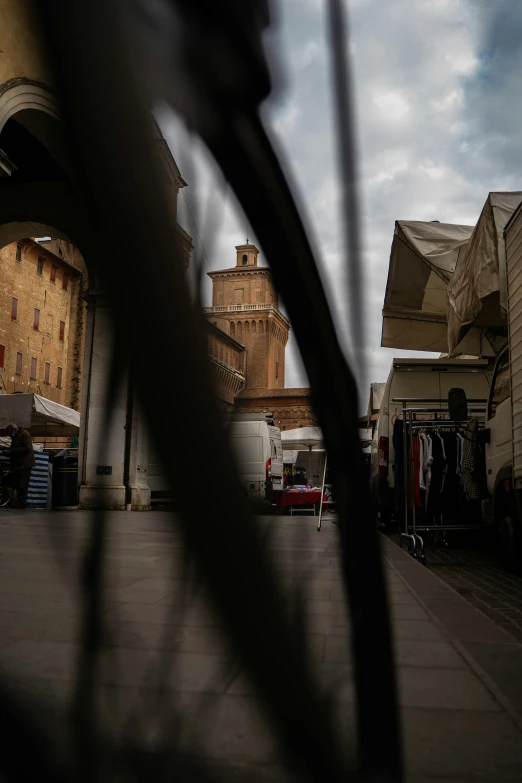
(499, 450)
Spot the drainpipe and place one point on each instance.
(128, 440)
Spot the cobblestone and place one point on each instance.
(470, 566)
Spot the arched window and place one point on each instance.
(239, 330)
(232, 329)
(247, 327)
(253, 327)
(245, 260)
(261, 330)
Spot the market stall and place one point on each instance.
(54, 424)
(477, 294)
(423, 259)
(310, 439)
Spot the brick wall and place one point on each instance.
(291, 409)
(21, 279)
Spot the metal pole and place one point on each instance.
(405, 460)
(322, 491)
(412, 468)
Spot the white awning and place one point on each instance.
(422, 261)
(477, 292)
(43, 417)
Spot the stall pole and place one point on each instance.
(406, 468)
(322, 492)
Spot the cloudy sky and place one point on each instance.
(436, 84)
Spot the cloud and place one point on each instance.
(438, 126)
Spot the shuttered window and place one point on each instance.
(19, 362)
(62, 331)
(40, 266)
(53, 274)
(14, 309)
(36, 321)
(2, 356)
(33, 369)
(47, 373)
(59, 378)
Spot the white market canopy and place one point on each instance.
(477, 294)
(43, 417)
(422, 261)
(302, 438)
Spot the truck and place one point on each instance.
(422, 379)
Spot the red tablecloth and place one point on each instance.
(298, 498)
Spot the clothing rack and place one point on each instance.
(410, 407)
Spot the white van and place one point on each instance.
(417, 378)
(257, 446)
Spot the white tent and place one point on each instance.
(422, 261)
(477, 294)
(43, 417)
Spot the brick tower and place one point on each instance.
(245, 305)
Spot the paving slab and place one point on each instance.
(165, 658)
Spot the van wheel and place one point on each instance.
(509, 543)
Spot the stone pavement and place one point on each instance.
(460, 676)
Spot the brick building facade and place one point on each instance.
(41, 323)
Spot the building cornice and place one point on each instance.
(246, 311)
(241, 271)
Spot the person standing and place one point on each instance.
(300, 479)
(22, 462)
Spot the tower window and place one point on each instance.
(47, 373)
(261, 327)
(232, 329)
(36, 320)
(253, 327)
(19, 360)
(39, 266)
(14, 309)
(53, 274)
(245, 260)
(239, 329)
(33, 369)
(19, 253)
(62, 331)
(2, 356)
(59, 378)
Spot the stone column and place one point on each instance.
(103, 452)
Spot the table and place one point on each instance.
(291, 498)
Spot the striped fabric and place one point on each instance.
(38, 494)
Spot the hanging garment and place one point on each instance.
(460, 441)
(470, 461)
(437, 474)
(416, 469)
(398, 445)
(450, 490)
(422, 482)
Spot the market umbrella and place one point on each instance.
(303, 438)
